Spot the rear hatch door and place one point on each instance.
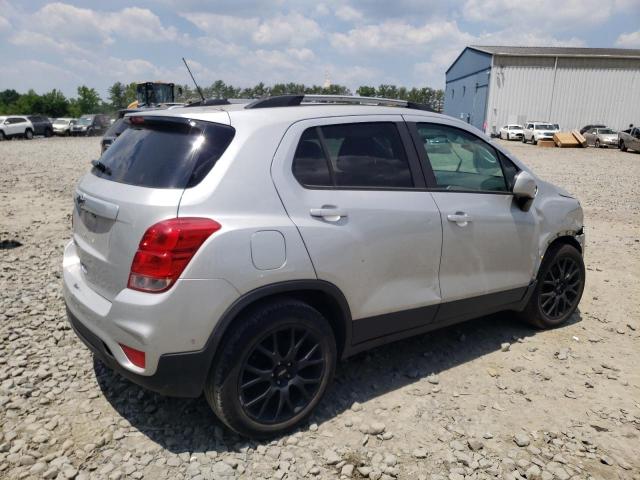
(136, 183)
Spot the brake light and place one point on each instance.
(165, 250)
(137, 357)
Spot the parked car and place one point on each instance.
(589, 127)
(240, 251)
(536, 131)
(630, 139)
(114, 131)
(511, 132)
(15, 126)
(62, 126)
(89, 125)
(41, 125)
(601, 137)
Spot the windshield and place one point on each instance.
(61, 121)
(116, 128)
(606, 131)
(544, 126)
(515, 127)
(154, 93)
(85, 121)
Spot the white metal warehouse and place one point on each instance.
(491, 86)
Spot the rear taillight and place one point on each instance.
(165, 250)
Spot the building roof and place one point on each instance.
(557, 51)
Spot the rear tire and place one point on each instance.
(534, 141)
(597, 144)
(524, 139)
(2, 136)
(28, 134)
(558, 290)
(48, 133)
(272, 369)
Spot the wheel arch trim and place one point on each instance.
(294, 288)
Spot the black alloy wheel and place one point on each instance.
(273, 367)
(558, 289)
(281, 374)
(561, 288)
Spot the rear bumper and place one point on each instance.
(172, 328)
(177, 375)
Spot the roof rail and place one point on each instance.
(208, 102)
(295, 100)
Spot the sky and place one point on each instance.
(47, 45)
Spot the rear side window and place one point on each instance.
(355, 155)
(164, 152)
(310, 166)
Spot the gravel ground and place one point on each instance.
(487, 399)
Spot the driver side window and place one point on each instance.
(460, 160)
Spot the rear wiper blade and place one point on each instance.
(101, 166)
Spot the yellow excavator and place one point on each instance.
(153, 94)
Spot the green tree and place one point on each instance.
(117, 93)
(55, 104)
(130, 93)
(7, 97)
(28, 103)
(366, 91)
(88, 100)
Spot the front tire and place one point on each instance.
(273, 368)
(2, 136)
(597, 144)
(623, 147)
(558, 290)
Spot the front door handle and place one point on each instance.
(328, 213)
(461, 218)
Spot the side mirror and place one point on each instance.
(524, 186)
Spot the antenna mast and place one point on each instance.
(194, 80)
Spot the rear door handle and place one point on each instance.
(461, 218)
(330, 214)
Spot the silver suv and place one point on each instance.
(241, 250)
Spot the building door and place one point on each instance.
(479, 107)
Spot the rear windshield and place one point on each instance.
(164, 152)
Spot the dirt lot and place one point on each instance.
(487, 399)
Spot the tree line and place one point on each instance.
(56, 104)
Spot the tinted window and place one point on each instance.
(461, 161)
(310, 166)
(165, 152)
(367, 155)
(359, 155)
(117, 128)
